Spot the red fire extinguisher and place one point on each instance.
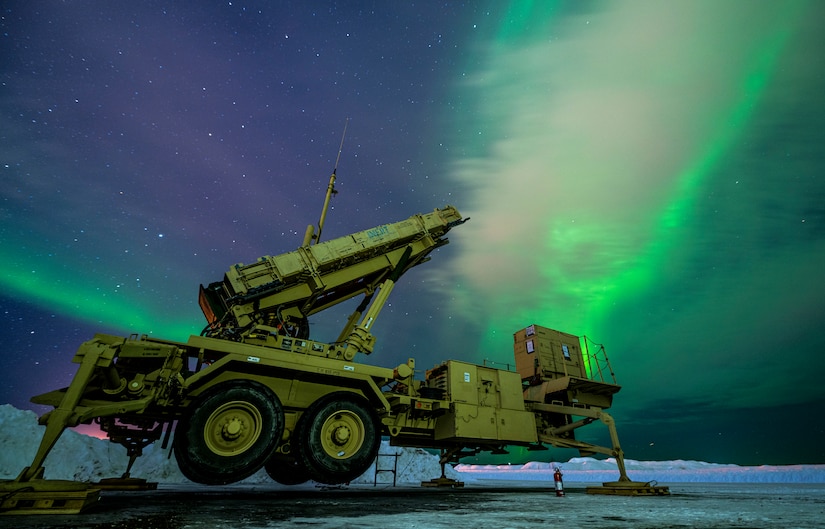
(558, 482)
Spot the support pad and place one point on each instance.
(443, 482)
(125, 484)
(41, 496)
(630, 488)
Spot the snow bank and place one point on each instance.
(75, 456)
(83, 458)
(587, 469)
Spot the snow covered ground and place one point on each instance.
(83, 458)
(586, 469)
(502, 497)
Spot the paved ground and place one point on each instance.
(491, 505)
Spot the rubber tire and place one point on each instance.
(342, 411)
(206, 462)
(286, 471)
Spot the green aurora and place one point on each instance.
(608, 177)
(646, 174)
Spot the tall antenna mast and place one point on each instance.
(311, 235)
(340, 147)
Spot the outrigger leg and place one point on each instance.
(134, 444)
(624, 486)
(29, 493)
(444, 481)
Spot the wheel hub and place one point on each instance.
(233, 428)
(343, 434)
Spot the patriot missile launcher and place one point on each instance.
(255, 391)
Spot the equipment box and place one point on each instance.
(485, 404)
(471, 423)
(547, 353)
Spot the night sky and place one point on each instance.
(648, 174)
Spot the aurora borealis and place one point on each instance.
(647, 174)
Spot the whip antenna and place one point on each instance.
(311, 235)
(341, 147)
